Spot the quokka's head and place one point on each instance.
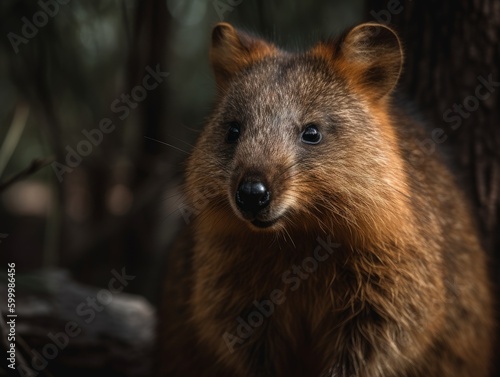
(300, 140)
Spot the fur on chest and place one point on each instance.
(293, 313)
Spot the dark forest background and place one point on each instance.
(70, 69)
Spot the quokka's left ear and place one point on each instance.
(370, 55)
(233, 50)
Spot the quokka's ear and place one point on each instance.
(233, 50)
(371, 56)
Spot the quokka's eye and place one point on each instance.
(311, 135)
(233, 132)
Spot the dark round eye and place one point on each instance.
(311, 135)
(233, 132)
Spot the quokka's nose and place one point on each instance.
(252, 197)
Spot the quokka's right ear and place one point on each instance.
(232, 50)
(370, 56)
(374, 53)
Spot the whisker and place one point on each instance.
(167, 144)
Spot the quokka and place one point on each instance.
(330, 244)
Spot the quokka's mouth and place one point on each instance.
(264, 224)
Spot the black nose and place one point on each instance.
(252, 197)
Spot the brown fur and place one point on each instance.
(405, 292)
